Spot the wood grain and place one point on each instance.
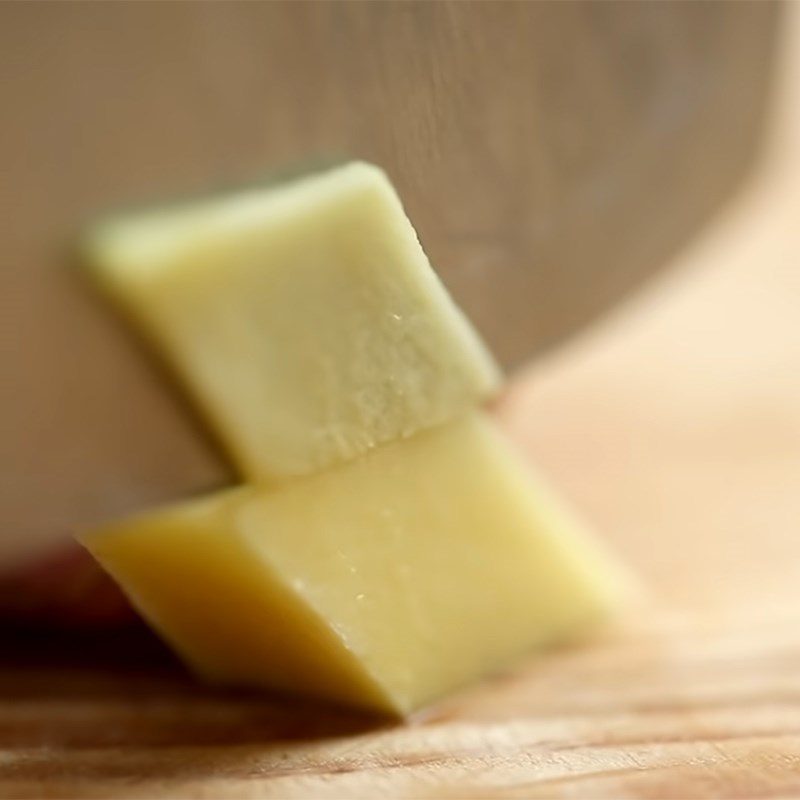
(551, 155)
(676, 428)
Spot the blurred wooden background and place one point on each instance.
(552, 155)
(676, 427)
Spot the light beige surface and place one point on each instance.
(677, 429)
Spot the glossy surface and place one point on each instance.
(383, 583)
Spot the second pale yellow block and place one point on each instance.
(382, 583)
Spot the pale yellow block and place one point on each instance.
(304, 318)
(382, 583)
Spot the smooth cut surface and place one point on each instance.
(304, 317)
(383, 583)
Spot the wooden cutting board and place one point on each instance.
(676, 427)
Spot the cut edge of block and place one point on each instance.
(363, 691)
(119, 269)
(126, 247)
(122, 251)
